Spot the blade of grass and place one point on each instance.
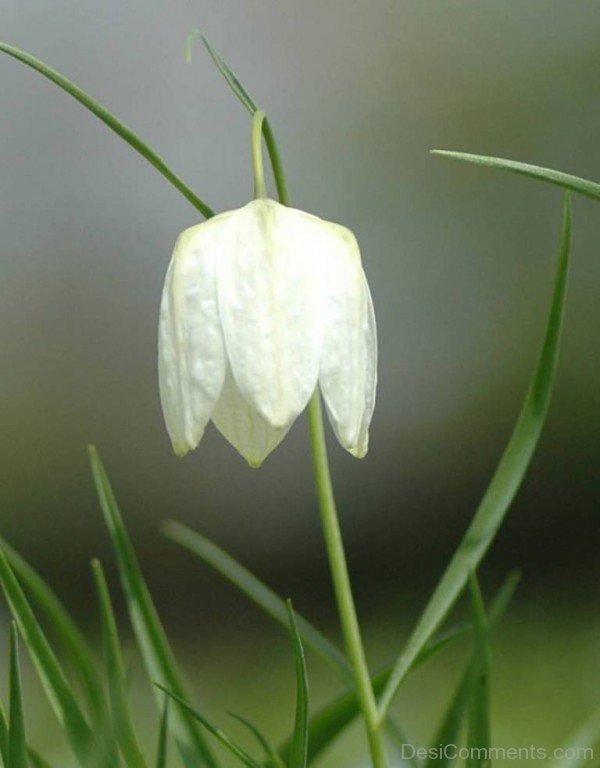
(249, 103)
(3, 737)
(36, 760)
(273, 758)
(233, 82)
(65, 629)
(17, 747)
(275, 606)
(163, 740)
(479, 732)
(111, 121)
(257, 591)
(504, 484)
(53, 679)
(123, 723)
(299, 748)
(149, 631)
(449, 729)
(230, 745)
(327, 724)
(564, 180)
(579, 750)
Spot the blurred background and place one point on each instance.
(460, 262)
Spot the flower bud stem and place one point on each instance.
(329, 517)
(260, 187)
(341, 584)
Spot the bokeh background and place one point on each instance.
(460, 262)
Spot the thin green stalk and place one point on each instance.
(111, 121)
(331, 527)
(341, 584)
(260, 187)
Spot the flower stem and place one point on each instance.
(341, 584)
(260, 187)
(329, 516)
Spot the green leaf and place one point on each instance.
(53, 679)
(111, 121)
(275, 607)
(36, 760)
(66, 631)
(479, 734)
(504, 484)
(17, 747)
(3, 738)
(449, 729)
(257, 591)
(299, 748)
(230, 745)
(273, 758)
(223, 68)
(564, 180)
(249, 103)
(123, 723)
(150, 634)
(579, 750)
(161, 751)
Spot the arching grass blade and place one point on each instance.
(53, 679)
(17, 747)
(273, 758)
(299, 748)
(504, 484)
(230, 745)
(163, 737)
(152, 639)
(479, 731)
(111, 121)
(564, 180)
(249, 103)
(449, 729)
(121, 715)
(65, 630)
(223, 68)
(257, 591)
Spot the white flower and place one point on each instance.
(259, 305)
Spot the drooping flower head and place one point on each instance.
(260, 305)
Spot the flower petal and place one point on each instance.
(243, 426)
(271, 307)
(348, 377)
(191, 357)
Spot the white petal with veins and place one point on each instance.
(271, 306)
(243, 427)
(191, 355)
(348, 376)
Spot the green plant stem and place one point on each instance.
(331, 526)
(260, 187)
(341, 584)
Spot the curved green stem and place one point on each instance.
(260, 187)
(111, 121)
(331, 529)
(341, 584)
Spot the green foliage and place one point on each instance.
(151, 636)
(565, 180)
(111, 121)
(102, 735)
(17, 748)
(504, 484)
